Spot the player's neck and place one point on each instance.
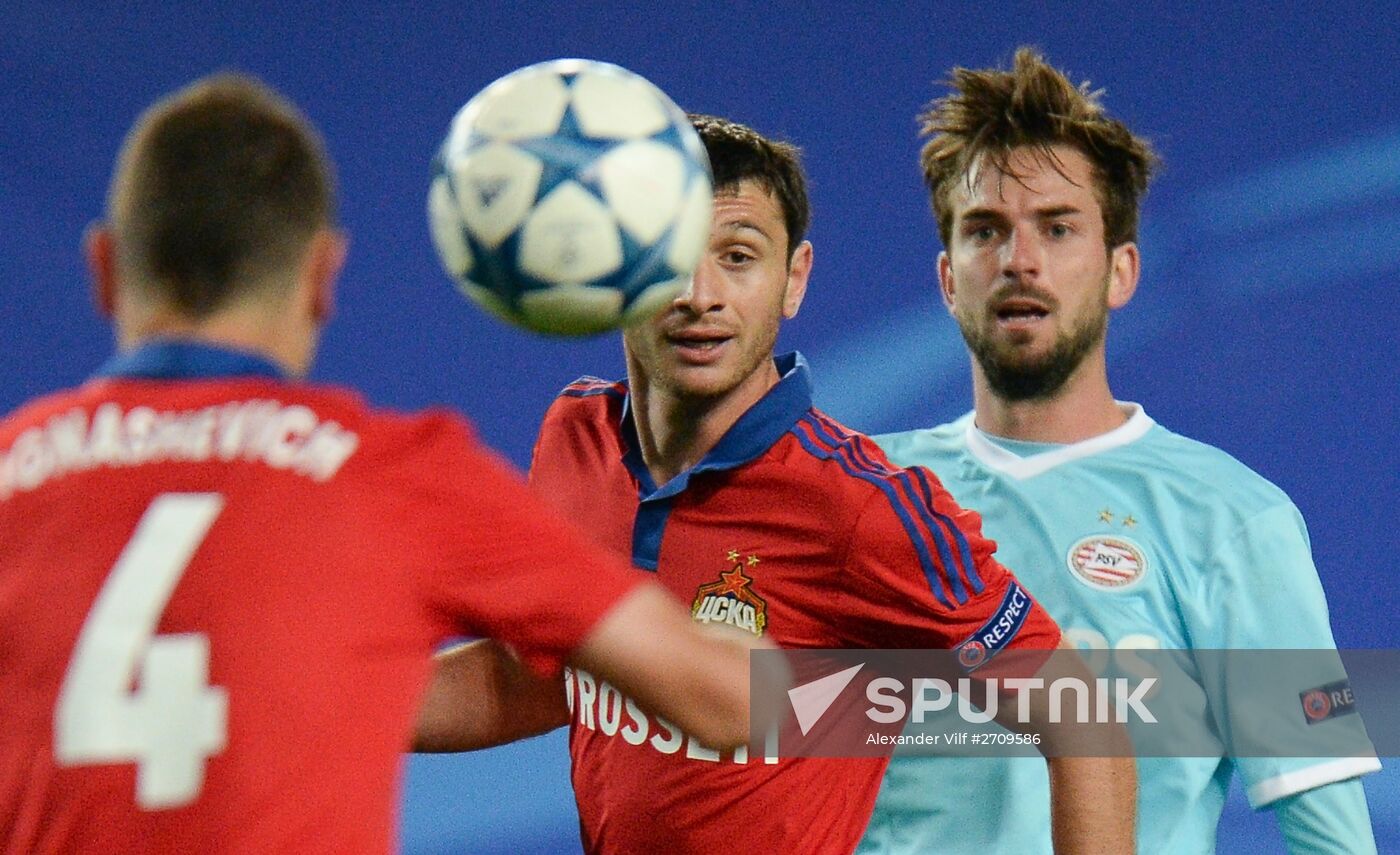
(676, 432)
(1083, 408)
(255, 332)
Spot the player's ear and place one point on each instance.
(325, 258)
(1124, 267)
(101, 260)
(799, 269)
(946, 286)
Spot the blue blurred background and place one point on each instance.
(1271, 243)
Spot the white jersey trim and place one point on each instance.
(1272, 789)
(995, 457)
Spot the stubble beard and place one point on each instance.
(1014, 376)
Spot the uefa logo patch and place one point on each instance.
(1329, 701)
(1316, 705)
(970, 655)
(1108, 563)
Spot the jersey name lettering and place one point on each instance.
(290, 437)
(596, 705)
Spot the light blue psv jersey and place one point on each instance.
(1137, 539)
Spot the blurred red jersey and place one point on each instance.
(795, 529)
(219, 596)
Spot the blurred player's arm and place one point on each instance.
(555, 598)
(1328, 820)
(482, 695)
(1093, 776)
(697, 676)
(646, 646)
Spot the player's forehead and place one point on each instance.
(748, 206)
(1029, 177)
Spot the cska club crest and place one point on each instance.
(732, 600)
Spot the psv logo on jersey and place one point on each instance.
(732, 600)
(1107, 562)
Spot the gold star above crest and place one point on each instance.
(753, 559)
(1106, 515)
(1128, 521)
(731, 555)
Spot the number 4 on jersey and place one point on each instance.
(173, 720)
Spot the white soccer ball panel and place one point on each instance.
(528, 104)
(616, 106)
(487, 299)
(644, 183)
(570, 237)
(446, 229)
(572, 309)
(692, 229)
(691, 142)
(495, 187)
(653, 300)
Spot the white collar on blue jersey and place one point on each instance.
(984, 446)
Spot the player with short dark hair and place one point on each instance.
(710, 467)
(1135, 537)
(221, 587)
(737, 152)
(265, 190)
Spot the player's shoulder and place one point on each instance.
(1207, 474)
(383, 431)
(842, 455)
(36, 411)
(881, 505)
(931, 447)
(348, 407)
(586, 399)
(589, 386)
(852, 470)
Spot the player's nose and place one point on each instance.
(705, 291)
(1022, 255)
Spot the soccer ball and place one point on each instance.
(571, 197)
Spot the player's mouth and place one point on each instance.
(1020, 313)
(698, 346)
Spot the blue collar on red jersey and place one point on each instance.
(755, 432)
(182, 359)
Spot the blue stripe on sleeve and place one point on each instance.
(929, 567)
(924, 505)
(885, 476)
(589, 392)
(973, 577)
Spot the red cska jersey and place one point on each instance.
(792, 528)
(219, 595)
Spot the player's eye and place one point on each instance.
(1059, 230)
(982, 234)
